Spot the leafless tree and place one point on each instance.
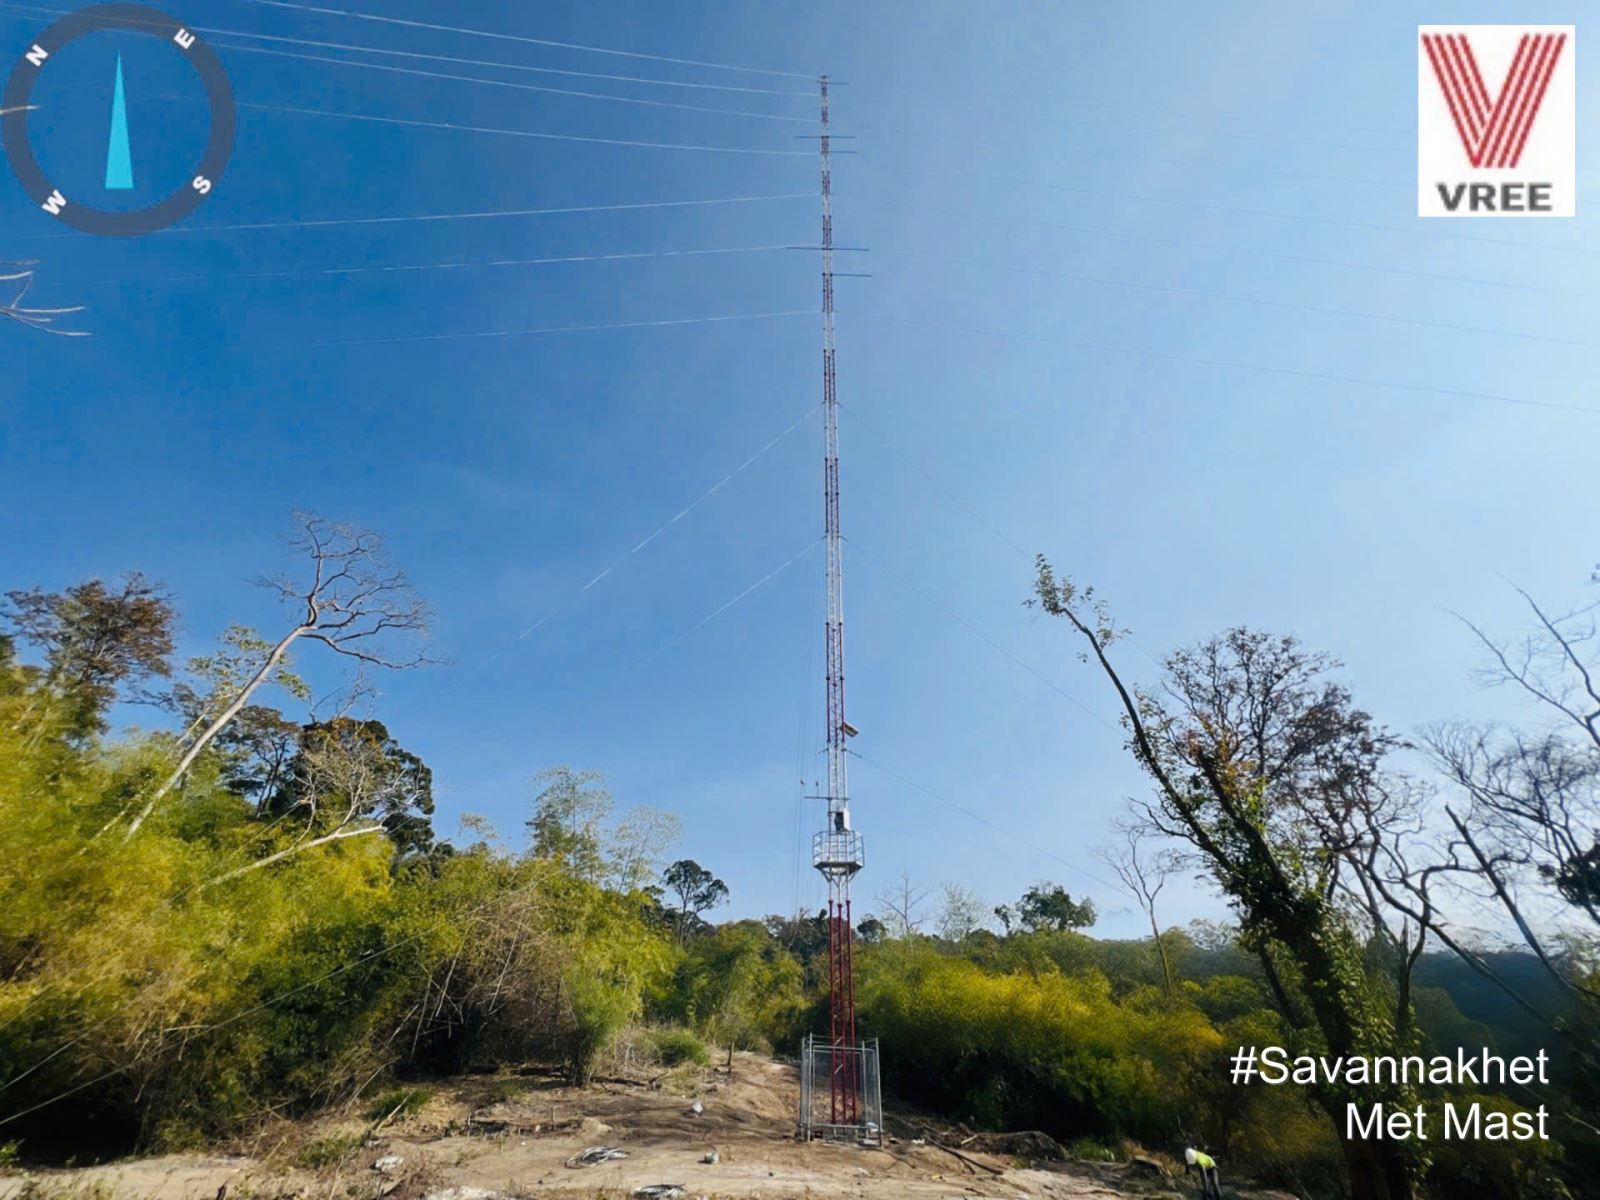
(901, 907)
(639, 844)
(1532, 812)
(18, 277)
(1144, 872)
(354, 602)
(961, 911)
(1397, 898)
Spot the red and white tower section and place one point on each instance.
(852, 1102)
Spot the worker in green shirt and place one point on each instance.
(1210, 1185)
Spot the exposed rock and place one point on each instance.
(1031, 1144)
(595, 1154)
(1150, 1166)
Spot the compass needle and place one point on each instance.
(119, 153)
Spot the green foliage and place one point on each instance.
(568, 813)
(1225, 998)
(695, 888)
(328, 1151)
(677, 1046)
(345, 769)
(1047, 906)
(94, 639)
(150, 992)
(1511, 1170)
(738, 985)
(1091, 1150)
(399, 1103)
(1042, 1050)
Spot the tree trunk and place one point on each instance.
(1161, 952)
(337, 835)
(217, 726)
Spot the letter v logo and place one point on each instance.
(1494, 131)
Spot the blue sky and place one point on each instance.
(1097, 236)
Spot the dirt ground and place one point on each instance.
(497, 1138)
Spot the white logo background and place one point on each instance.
(1548, 157)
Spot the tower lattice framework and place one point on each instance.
(837, 851)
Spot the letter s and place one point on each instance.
(1274, 1065)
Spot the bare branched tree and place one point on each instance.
(638, 846)
(900, 907)
(1144, 872)
(17, 277)
(961, 911)
(1532, 814)
(354, 602)
(1396, 898)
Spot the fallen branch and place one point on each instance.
(968, 1159)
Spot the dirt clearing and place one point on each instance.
(717, 1133)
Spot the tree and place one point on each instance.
(568, 813)
(1144, 874)
(95, 639)
(871, 930)
(1523, 835)
(901, 907)
(354, 603)
(258, 744)
(349, 778)
(348, 769)
(961, 911)
(697, 890)
(804, 937)
(1266, 768)
(1006, 916)
(637, 846)
(1533, 799)
(20, 275)
(1048, 906)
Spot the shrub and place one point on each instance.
(1028, 1050)
(1091, 1150)
(328, 1151)
(399, 1103)
(676, 1046)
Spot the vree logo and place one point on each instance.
(1494, 133)
(1507, 154)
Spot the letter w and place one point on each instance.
(1493, 132)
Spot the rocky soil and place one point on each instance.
(525, 1136)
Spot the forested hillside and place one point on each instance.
(246, 910)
